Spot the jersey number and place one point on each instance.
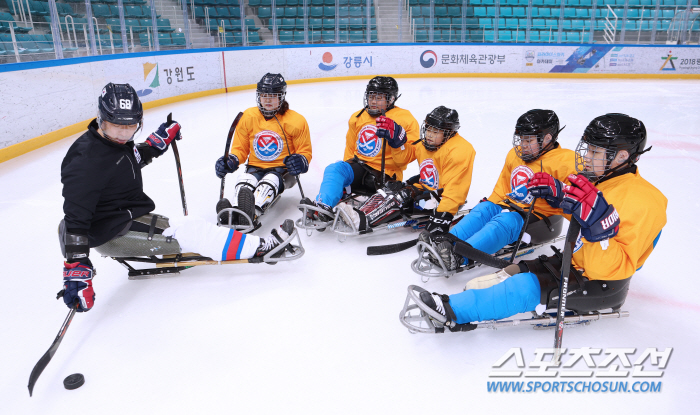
(125, 104)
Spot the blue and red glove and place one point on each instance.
(164, 135)
(546, 187)
(586, 204)
(77, 285)
(388, 130)
(296, 164)
(226, 164)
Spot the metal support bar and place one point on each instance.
(122, 25)
(55, 30)
(91, 30)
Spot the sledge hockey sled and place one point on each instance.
(430, 265)
(249, 224)
(419, 318)
(163, 253)
(343, 226)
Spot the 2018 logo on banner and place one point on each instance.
(429, 175)
(368, 144)
(267, 145)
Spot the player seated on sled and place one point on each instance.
(498, 221)
(105, 205)
(275, 141)
(446, 160)
(621, 217)
(378, 123)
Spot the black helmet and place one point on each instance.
(271, 83)
(119, 104)
(536, 123)
(613, 133)
(382, 85)
(441, 118)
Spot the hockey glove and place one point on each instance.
(226, 164)
(296, 164)
(77, 285)
(439, 222)
(393, 133)
(164, 135)
(544, 186)
(586, 204)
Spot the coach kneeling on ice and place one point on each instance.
(621, 217)
(105, 207)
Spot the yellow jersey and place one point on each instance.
(449, 168)
(267, 140)
(642, 210)
(362, 141)
(559, 162)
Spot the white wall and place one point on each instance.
(44, 98)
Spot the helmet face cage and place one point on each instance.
(265, 112)
(590, 156)
(446, 134)
(371, 95)
(518, 145)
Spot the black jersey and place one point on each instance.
(102, 185)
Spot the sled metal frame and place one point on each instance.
(173, 264)
(429, 321)
(310, 225)
(427, 269)
(252, 224)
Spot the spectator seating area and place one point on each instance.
(476, 19)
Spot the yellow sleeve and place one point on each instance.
(350, 140)
(458, 180)
(241, 139)
(503, 184)
(403, 155)
(302, 140)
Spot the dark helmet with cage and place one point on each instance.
(603, 140)
(119, 104)
(271, 85)
(440, 120)
(535, 124)
(381, 85)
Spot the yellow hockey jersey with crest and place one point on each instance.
(264, 141)
(362, 141)
(642, 210)
(558, 162)
(449, 168)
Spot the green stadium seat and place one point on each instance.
(329, 24)
(299, 36)
(178, 39)
(328, 36)
(164, 25)
(265, 13)
(421, 35)
(286, 36)
(254, 39)
(164, 39)
(356, 36)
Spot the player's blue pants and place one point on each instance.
(336, 177)
(488, 228)
(518, 294)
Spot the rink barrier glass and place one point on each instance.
(57, 29)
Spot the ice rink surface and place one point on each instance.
(321, 334)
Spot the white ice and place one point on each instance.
(321, 334)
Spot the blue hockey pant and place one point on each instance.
(488, 228)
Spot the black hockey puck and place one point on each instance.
(74, 381)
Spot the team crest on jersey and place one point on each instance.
(267, 145)
(518, 181)
(368, 144)
(429, 174)
(579, 242)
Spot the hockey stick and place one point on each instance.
(522, 231)
(383, 155)
(571, 237)
(46, 358)
(179, 169)
(290, 153)
(228, 146)
(391, 249)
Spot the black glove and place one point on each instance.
(296, 164)
(226, 164)
(439, 222)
